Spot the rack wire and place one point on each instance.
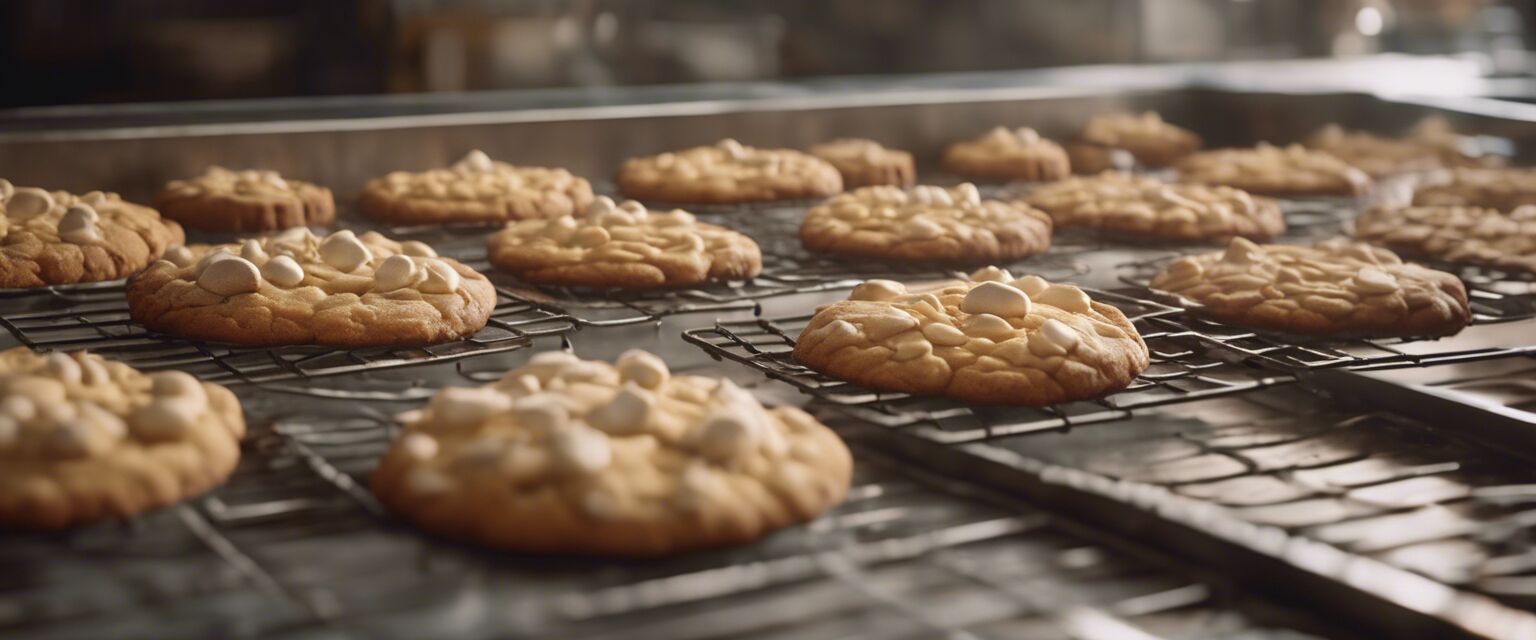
(1178, 373)
(96, 318)
(1493, 301)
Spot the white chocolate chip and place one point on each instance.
(991, 274)
(1067, 297)
(601, 205)
(988, 326)
(164, 418)
(724, 437)
(417, 249)
(1242, 251)
(581, 450)
(62, 368)
(343, 251)
(592, 236)
(877, 290)
(461, 408)
(426, 481)
(635, 209)
(230, 277)
(476, 160)
(944, 335)
(397, 271)
(18, 408)
(253, 252)
(1374, 280)
(967, 194)
(78, 225)
(419, 446)
(545, 412)
(997, 299)
(1031, 285)
(283, 271)
(28, 202)
(921, 228)
(178, 255)
(1059, 334)
(220, 254)
(627, 413)
(441, 278)
(733, 149)
(642, 368)
(92, 371)
(178, 384)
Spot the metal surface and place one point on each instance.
(1379, 524)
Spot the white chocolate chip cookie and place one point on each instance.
(1123, 203)
(224, 200)
(866, 163)
(1376, 155)
(624, 246)
(341, 290)
(475, 189)
(1002, 155)
(49, 238)
(993, 340)
(925, 223)
(1150, 140)
(583, 457)
(1278, 171)
(1502, 189)
(83, 439)
(1336, 288)
(728, 172)
(1462, 235)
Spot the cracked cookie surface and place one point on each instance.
(925, 223)
(574, 456)
(993, 339)
(49, 238)
(84, 439)
(340, 290)
(1335, 288)
(475, 189)
(624, 246)
(1462, 235)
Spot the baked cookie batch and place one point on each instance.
(565, 455)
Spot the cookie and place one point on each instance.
(1277, 171)
(1502, 189)
(1461, 235)
(865, 163)
(1091, 159)
(1003, 155)
(230, 201)
(989, 340)
(1126, 204)
(925, 223)
(572, 456)
(1150, 140)
(1376, 155)
(475, 189)
(1454, 149)
(83, 439)
(1335, 288)
(49, 238)
(342, 290)
(728, 172)
(624, 246)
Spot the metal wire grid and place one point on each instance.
(1371, 483)
(96, 318)
(1179, 373)
(1492, 302)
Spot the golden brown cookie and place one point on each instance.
(1150, 140)
(342, 290)
(1376, 155)
(1128, 204)
(1502, 189)
(49, 238)
(865, 163)
(582, 457)
(624, 246)
(728, 172)
(992, 340)
(1336, 288)
(1091, 159)
(925, 223)
(1454, 148)
(83, 439)
(475, 189)
(1462, 235)
(224, 200)
(1002, 154)
(1277, 171)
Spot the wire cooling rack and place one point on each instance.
(1500, 319)
(97, 319)
(1179, 372)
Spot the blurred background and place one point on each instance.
(58, 52)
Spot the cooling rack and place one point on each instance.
(96, 318)
(1501, 310)
(1180, 372)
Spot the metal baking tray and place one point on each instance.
(293, 546)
